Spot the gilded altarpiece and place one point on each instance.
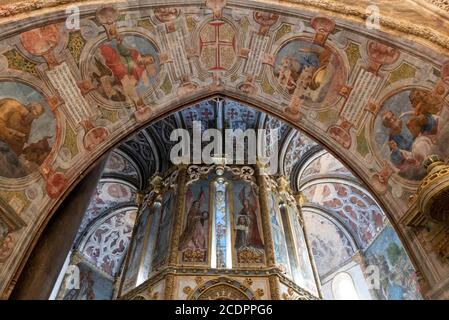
(217, 244)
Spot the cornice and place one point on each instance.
(424, 19)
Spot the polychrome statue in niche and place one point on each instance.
(410, 127)
(309, 72)
(27, 127)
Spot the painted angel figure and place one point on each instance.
(249, 210)
(194, 234)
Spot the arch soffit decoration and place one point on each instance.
(93, 225)
(339, 180)
(123, 217)
(302, 164)
(61, 184)
(137, 183)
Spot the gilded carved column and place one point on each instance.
(265, 214)
(274, 287)
(181, 194)
(169, 287)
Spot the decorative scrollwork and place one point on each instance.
(194, 172)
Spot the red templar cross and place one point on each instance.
(207, 114)
(217, 46)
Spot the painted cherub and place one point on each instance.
(287, 72)
(423, 120)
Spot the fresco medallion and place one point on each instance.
(27, 130)
(125, 68)
(409, 128)
(309, 72)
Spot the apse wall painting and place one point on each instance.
(93, 286)
(410, 127)
(331, 247)
(306, 276)
(248, 243)
(27, 129)
(309, 72)
(280, 246)
(397, 277)
(167, 213)
(125, 68)
(194, 239)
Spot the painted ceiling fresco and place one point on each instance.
(106, 196)
(69, 95)
(296, 149)
(117, 163)
(325, 164)
(105, 231)
(353, 205)
(107, 243)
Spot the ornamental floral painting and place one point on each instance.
(409, 127)
(27, 129)
(309, 72)
(350, 203)
(106, 245)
